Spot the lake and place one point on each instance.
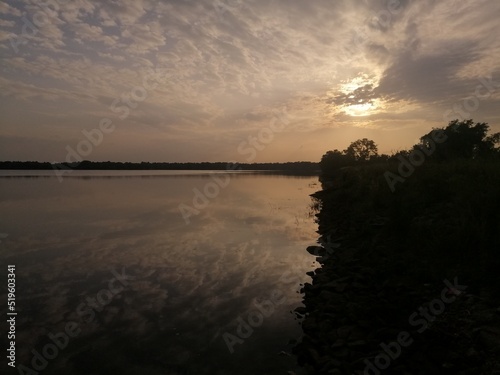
(156, 272)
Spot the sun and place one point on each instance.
(357, 96)
(355, 110)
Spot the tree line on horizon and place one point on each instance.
(459, 140)
(109, 165)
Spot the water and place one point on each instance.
(211, 293)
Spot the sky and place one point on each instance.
(244, 81)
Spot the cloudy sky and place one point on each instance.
(253, 80)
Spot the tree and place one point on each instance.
(362, 150)
(333, 160)
(463, 139)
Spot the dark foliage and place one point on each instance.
(459, 140)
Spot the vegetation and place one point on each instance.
(458, 140)
(362, 150)
(393, 251)
(463, 140)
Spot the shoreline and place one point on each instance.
(389, 299)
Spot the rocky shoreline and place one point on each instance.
(377, 306)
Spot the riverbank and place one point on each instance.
(408, 279)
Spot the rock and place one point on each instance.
(489, 337)
(325, 326)
(344, 331)
(309, 326)
(338, 344)
(472, 353)
(335, 372)
(316, 250)
(342, 353)
(357, 344)
(301, 310)
(332, 298)
(314, 354)
(341, 287)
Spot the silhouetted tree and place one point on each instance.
(362, 150)
(462, 139)
(333, 160)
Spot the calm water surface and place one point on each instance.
(188, 301)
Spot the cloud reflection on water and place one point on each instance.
(193, 281)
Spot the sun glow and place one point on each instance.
(359, 109)
(356, 96)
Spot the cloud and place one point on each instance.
(226, 60)
(427, 78)
(10, 10)
(360, 95)
(90, 33)
(5, 23)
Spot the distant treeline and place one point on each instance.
(109, 165)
